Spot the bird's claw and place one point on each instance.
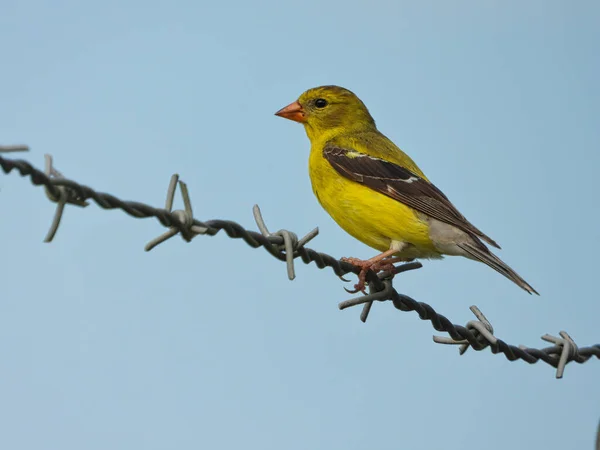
(365, 266)
(356, 290)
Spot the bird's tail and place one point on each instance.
(482, 254)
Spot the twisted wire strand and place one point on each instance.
(550, 355)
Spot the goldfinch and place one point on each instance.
(376, 192)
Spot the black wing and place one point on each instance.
(400, 184)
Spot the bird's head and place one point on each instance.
(328, 110)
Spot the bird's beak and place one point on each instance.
(293, 111)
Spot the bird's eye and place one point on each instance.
(320, 103)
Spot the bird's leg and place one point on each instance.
(383, 261)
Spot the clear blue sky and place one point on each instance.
(208, 345)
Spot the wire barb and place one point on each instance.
(13, 148)
(481, 328)
(291, 243)
(65, 195)
(187, 228)
(568, 352)
(380, 289)
(372, 296)
(377, 291)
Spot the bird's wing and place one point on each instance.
(400, 184)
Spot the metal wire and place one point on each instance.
(13, 148)
(284, 246)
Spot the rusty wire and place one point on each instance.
(285, 246)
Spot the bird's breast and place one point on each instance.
(369, 216)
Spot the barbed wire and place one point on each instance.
(286, 246)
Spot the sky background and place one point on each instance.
(208, 344)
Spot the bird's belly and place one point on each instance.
(371, 217)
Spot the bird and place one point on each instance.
(377, 193)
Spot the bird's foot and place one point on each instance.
(386, 264)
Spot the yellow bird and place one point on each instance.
(376, 192)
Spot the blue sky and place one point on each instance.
(208, 345)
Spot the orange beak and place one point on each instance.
(293, 111)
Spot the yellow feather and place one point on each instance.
(371, 217)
